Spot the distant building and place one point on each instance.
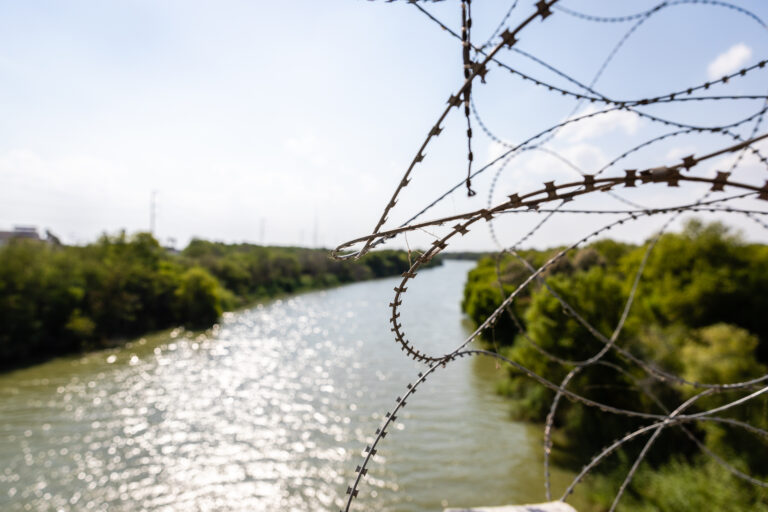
(25, 232)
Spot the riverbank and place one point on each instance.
(56, 300)
(270, 412)
(698, 313)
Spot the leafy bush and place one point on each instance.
(699, 312)
(198, 298)
(55, 299)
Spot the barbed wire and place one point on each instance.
(550, 200)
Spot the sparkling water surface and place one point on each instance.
(270, 411)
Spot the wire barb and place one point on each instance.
(552, 200)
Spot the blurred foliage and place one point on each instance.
(61, 299)
(681, 485)
(699, 312)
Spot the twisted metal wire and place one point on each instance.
(550, 202)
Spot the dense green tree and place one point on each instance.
(699, 312)
(57, 299)
(198, 298)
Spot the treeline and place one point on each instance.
(699, 312)
(465, 255)
(60, 299)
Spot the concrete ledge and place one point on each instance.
(552, 506)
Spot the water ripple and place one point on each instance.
(266, 412)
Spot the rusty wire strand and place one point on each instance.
(631, 17)
(539, 201)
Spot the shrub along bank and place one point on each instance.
(61, 299)
(699, 312)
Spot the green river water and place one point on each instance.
(270, 411)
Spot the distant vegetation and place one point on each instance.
(465, 255)
(57, 299)
(700, 311)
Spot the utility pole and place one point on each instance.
(314, 231)
(152, 212)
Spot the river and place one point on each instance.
(270, 411)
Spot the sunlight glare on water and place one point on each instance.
(269, 411)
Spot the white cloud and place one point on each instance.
(589, 158)
(599, 125)
(309, 148)
(729, 61)
(495, 150)
(530, 170)
(677, 153)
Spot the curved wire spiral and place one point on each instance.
(550, 202)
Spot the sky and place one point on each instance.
(291, 123)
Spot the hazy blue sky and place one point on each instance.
(291, 122)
